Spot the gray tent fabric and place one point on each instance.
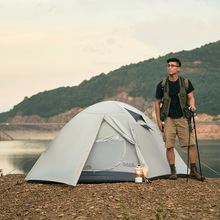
(104, 143)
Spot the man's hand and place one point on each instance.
(157, 110)
(160, 125)
(192, 108)
(191, 102)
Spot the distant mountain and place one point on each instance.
(201, 65)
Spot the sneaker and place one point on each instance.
(173, 175)
(194, 174)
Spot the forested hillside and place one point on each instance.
(201, 65)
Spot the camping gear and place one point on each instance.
(197, 146)
(190, 130)
(193, 171)
(104, 143)
(139, 174)
(166, 99)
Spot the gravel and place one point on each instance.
(162, 199)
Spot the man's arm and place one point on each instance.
(191, 101)
(157, 110)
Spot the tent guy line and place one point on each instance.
(201, 161)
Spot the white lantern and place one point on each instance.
(139, 174)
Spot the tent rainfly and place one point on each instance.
(104, 143)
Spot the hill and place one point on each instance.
(201, 65)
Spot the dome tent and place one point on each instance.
(104, 143)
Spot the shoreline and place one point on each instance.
(32, 131)
(48, 131)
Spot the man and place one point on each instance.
(175, 94)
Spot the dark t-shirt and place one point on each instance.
(175, 110)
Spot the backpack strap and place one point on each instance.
(186, 81)
(164, 82)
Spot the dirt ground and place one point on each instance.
(162, 199)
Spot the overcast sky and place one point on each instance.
(46, 44)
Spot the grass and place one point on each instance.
(127, 212)
(160, 214)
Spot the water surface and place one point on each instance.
(20, 156)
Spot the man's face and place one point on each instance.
(173, 68)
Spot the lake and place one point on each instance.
(20, 156)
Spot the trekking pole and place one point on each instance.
(190, 130)
(197, 146)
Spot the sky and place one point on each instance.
(46, 44)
